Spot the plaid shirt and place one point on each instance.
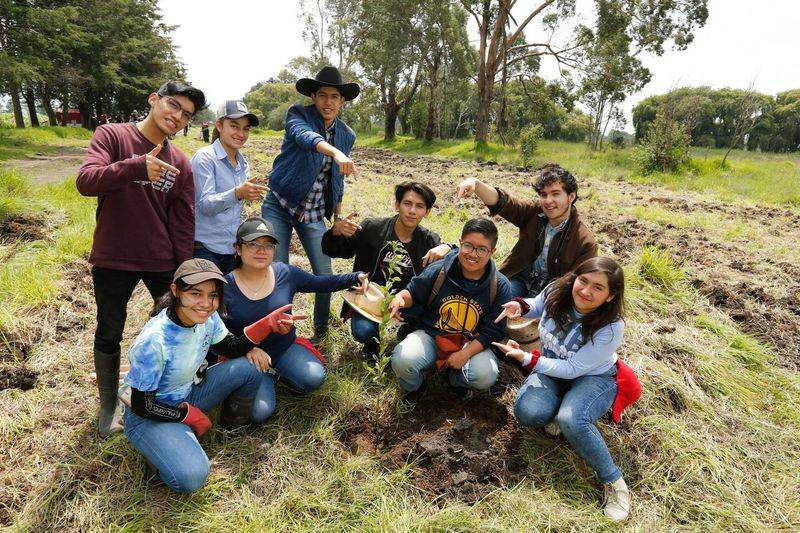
(312, 208)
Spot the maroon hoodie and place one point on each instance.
(141, 225)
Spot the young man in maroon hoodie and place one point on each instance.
(145, 220)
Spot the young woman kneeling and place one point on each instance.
(573, 382)
(171, 387)
(258, 286)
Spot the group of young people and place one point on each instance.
(223, 332)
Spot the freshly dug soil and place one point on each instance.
(17, 377)
(461, 450)
(22, 228)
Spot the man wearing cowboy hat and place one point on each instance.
(307, 178)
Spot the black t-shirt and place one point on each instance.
(404, 270)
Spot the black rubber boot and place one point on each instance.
(235, 412)
(106, 366)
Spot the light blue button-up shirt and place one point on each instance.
(217, 211)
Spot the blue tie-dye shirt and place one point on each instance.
(166, 355)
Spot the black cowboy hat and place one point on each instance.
(327, 77)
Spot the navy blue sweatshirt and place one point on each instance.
(242, 311)
(461, 305)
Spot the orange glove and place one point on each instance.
(196, 419)
(278, 321)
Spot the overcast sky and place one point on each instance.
(229, 46)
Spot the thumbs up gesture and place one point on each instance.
(155, 166)
(250, 190)
(346, 227)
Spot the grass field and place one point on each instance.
(765, 178)
(712, 329)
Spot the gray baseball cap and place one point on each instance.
(194, 271)
(237, 109)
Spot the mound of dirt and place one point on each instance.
(22, 228)
(17, 377)
(461, 450)
(758, 313)
(13, 347)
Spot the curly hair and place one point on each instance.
(551, 173)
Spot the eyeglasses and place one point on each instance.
(468, 248)
(174, 106)
(255, 246)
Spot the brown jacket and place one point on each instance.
(570, 247)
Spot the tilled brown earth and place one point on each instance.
(464, 451)
(459, 449)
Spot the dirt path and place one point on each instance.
(49, 168)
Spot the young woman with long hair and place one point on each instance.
(573, 381)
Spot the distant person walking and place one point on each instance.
(222, 183)
(204, 129)
(307, 178)
(145, 220)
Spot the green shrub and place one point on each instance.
(664, 148)
(528, 143)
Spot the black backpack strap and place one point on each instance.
(437, 285)
(493, 289)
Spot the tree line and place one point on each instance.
(720, 118)
(420, 71)
(415, 60)
(101, 56)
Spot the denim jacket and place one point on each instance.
(296, 167)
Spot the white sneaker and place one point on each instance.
(553, 429)
(617, 500)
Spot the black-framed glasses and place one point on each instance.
(255, 246)
(174, 105)
(482, 251)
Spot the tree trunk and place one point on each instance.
(482, 120)
(30, 100)
(15, 102)
(64, 109)
(390, 120)
(47, 104)
(430, 129)
(86, 112)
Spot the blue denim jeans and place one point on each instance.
(299, 368)
(363, 329)
(575, 404)
(417, 352)
(518, 287)
(225, 262)
(310, 235)
(172, 447)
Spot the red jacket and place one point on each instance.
(141, 225)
